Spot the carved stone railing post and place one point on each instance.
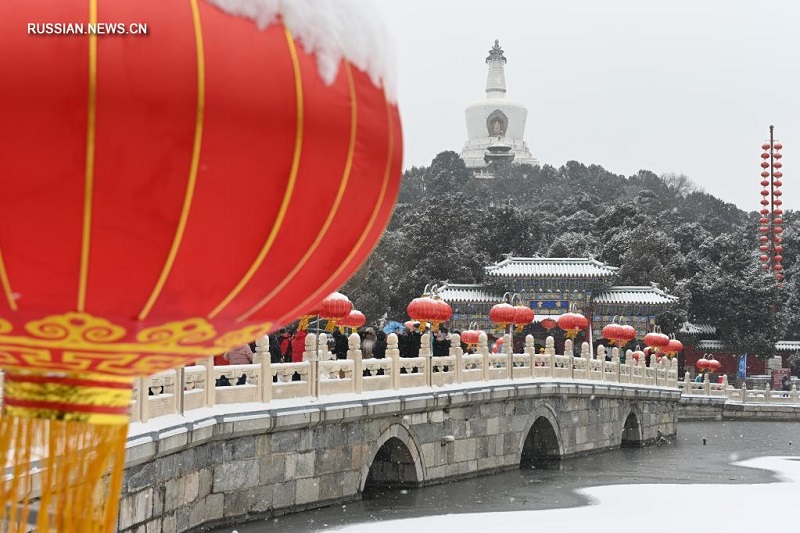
(586, 355)
(393, 353)
(569, 351)
(615, 361)
(354, 354)
(211, 382)
(178, 389)
(767, 393)
(483, 349)
(323, 354)
(426, 353)
(687, 383)
(144, 399)
(530, 350)
(262, 349)
(262, 358)
(310, 355)
(706, 384)
(458, 353)
(550, 351)
(508, 351)
(744, 392)
(601, 356)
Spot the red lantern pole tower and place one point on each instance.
(771, 228)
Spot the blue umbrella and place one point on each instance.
(393, 327)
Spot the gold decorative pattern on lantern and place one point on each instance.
(81, 342)
(192, 331)
(244, 335)
(75, 328)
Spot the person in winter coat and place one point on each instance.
(379, 348)
(275, 355)
(241, 355)
(285, 344)
(367, 343)
(441, 344)
(340, 345)
(299, 345)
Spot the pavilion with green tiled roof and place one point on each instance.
(551, 286)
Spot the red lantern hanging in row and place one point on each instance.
(126, 164)
(523, 315)
(548, 323)
(334, 308)
(572, 323)
(705, 364)
(655, 339)
(502, 314)
(429, 309)
(673, 347)
(620, 334)
(771, 221)
(354, 320)
(470, 336)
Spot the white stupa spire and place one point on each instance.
(495, 125)
(496, 78)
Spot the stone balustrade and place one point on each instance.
(321, 374)
(730, 393)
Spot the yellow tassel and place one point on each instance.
(422, 327)
(304, 322)
(70, 472)
(331, 325)
(62, 439)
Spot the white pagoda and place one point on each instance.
(496, 126)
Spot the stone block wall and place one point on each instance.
(225, 469)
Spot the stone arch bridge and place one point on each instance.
(216, 468)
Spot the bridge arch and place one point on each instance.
(543, 441)
(632, 435)
(394, 460)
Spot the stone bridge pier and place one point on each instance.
(226, 468)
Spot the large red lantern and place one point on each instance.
(612, 332)
(502, 314)
(471, 336)
(426, 309)
(443, 312)
(166, 197)
(523, 315)
(673, 347)
(354, 320)
(335, 307)
(656, 339)
(572, 323)
(548, 323)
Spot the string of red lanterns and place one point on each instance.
(771, 221)
(429, 308)
(620, 334)
(333, 308)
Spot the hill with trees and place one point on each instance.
(448, 225)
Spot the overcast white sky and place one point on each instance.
(684, 86)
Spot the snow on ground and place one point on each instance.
(637, 508)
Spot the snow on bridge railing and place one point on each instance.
(321, 374)
(730, 393)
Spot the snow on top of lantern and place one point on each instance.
(331, 30)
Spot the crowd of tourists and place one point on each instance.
(288, 345)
